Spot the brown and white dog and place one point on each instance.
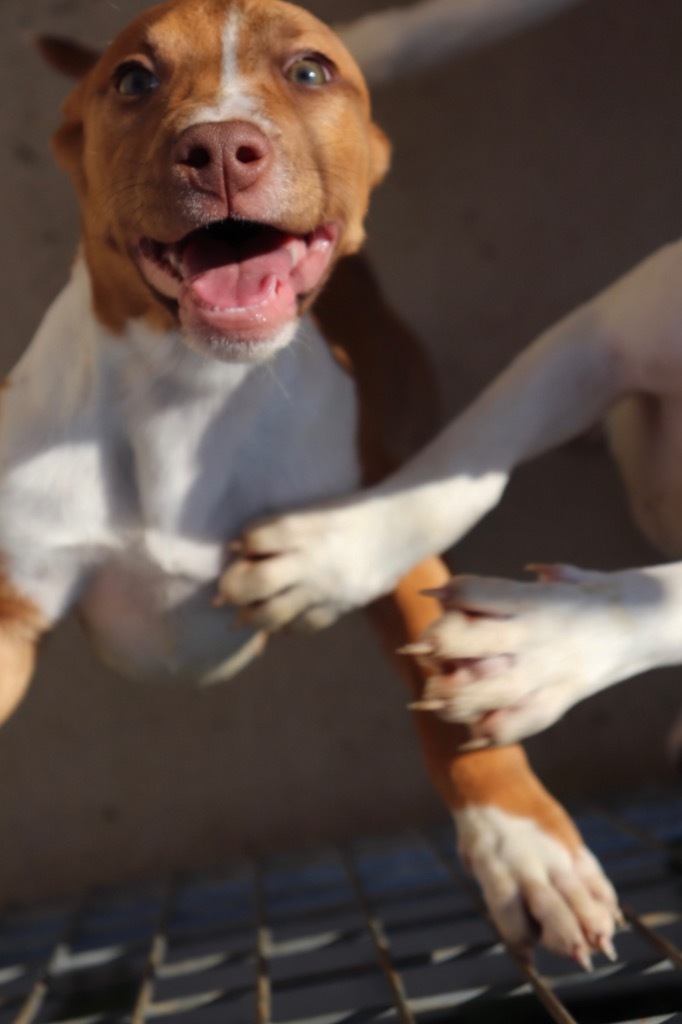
(223, 153)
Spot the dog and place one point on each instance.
(223, 154)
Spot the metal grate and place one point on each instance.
(386, 930)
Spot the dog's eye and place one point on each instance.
(309, 71)
(134, 79)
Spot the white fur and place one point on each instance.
(123, 479)
(237, 98)
(529, 878)
(231, 78)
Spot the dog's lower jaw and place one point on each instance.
(236, 348)
(250, 333)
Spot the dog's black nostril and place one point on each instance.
(248, 154)
(197, 157)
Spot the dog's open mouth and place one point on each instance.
(239, 279)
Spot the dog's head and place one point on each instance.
(223, 152)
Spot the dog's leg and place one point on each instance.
(526, 853)
(21, 626)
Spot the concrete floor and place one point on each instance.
(525, 178)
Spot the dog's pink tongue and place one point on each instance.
(223, 277)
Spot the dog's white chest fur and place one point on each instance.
(128, 463)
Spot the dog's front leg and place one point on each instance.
(537, 876)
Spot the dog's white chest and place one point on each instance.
(130, 483)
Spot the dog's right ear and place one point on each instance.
(67, 57)
(76, 61)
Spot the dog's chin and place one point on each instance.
(232, 347)
(238, 286)
(250, 333)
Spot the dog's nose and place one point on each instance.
(223, 157)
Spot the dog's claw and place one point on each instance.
(582, 957)
(426, 705)
(480, 743)
(419, 648)
(440, 593)
(606, 946)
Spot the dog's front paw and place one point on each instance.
(509, 659)
(305, 569)
(536, 887)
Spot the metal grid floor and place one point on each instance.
(377, 931)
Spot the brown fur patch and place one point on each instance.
(21, 625)
(65, 56)
(18, 614)
(119, 152)
(99, 130)
(397, 395)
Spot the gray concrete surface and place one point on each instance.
(525, 177)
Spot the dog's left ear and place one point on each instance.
(69, 58)
(380, 150)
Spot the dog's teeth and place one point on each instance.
(296, 248)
